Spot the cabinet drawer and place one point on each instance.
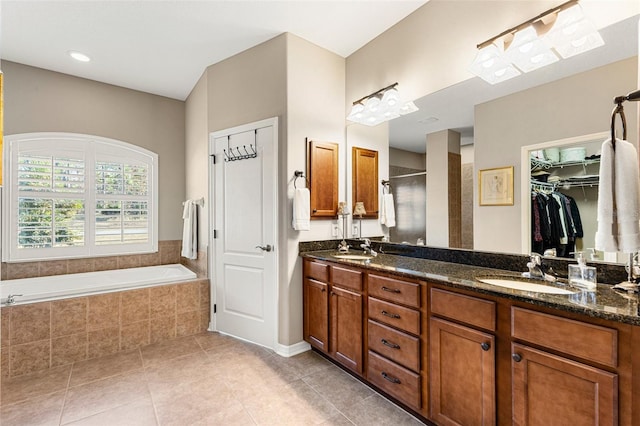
(346, 278)
(398, 316)
(587, 341)
(403, 292)
(316, 270)
(395, 345)
(466, 309)
(395, 380)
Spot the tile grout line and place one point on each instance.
(66, 392)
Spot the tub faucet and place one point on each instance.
(11, 299)
(366, 246)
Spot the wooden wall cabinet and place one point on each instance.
(322, 170)
(365, 180)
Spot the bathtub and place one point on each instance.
(42, 289)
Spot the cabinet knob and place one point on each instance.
(485, 346)
(315, 210)
(516, 357)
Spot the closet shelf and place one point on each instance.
(565, 184)
(538, 164)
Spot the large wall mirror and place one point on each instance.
(567, 172)
(565, 100)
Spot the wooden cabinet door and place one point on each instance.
(323, 179)
(346, 328)
(316, 314)
(364, 180)
(462, 382)
(552, 390)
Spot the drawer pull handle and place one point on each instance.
(391, 345)
(390, 290)
(485, 346)
(390, 378)
(387, 314)
(516, 357)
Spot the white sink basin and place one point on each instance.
(352, 256)
(524, 286)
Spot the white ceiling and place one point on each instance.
(162, 47)
(453, 107)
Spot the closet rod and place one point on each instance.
(409, 175)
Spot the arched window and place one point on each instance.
(68, 195)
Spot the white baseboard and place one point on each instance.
(291, 350)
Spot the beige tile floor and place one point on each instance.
(207, 379)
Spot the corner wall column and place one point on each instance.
(444, 211)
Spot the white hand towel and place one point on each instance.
(301, 210)
(190, 230)
(618, 223)
(388, 211)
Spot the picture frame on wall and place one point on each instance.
(496, 186)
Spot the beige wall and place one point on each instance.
(301, 84)
(196, 152)
(38, 100)
(573, 106)
(433, 47)
(315, 109)
(411, 160)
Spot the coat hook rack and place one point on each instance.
(230, 155)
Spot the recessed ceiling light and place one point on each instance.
(79, 56)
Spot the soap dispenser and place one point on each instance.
(581, 275)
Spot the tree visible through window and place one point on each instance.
(75, 195)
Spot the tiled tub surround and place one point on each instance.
(39, 336)
(168, 252)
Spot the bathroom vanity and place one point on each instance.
(457, 351)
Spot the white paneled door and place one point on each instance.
(245, 255)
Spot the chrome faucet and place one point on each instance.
(535, 269)
(11, 299)
(366, 246)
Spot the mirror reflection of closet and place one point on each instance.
(365, 181)
(563, 173)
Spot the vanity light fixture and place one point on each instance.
(378, 107)
(79, 56)
(562, 31)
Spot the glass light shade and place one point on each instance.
(379, 109)
(408, 108)
(529, 52)
(573, 34)
(357, 112)
(391, 98)
(491, 65)
(372, 104)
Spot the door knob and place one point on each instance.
(268, 247)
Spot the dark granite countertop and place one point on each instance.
(602, 303)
